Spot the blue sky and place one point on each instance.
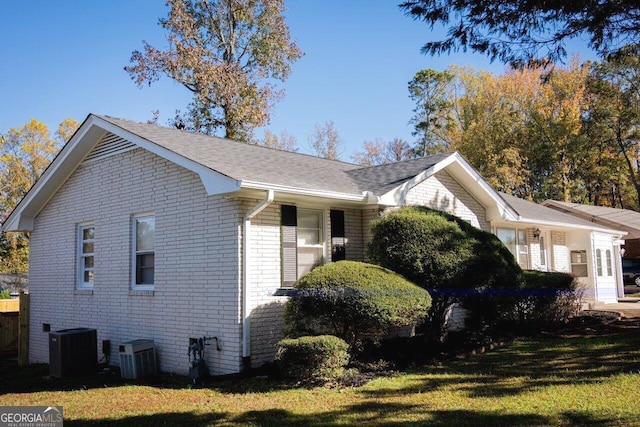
(65, 58)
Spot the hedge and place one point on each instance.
(312, 358)
(355, 301)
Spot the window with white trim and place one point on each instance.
(516, 242)
(599, 262)
(144, 233)
(609, 263)
(303, 242)
(579, 263)
(86, 259)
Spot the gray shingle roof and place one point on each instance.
(384, 178)
(254, 163)
(623, 219)
(534, 211)
(248, 162)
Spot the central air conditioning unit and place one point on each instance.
(73, 352)
(137, 359)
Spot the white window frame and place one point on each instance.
(322, 237)
(135, 252)
(583, 264)
(609, 263)
(81, 269)
(599, 263)
(519, 248)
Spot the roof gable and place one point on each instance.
(226, 166)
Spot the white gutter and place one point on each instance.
(302, 191)
(246, 234)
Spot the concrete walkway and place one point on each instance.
(627, 307)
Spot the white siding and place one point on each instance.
(196, 262)
(444, 193)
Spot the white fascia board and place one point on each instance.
(305, 191)
(75, 151)
(395, 196)
(504, 210)
(60, 169)
(214, 182)
(572, 226)
(398, 194)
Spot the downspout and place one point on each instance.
(246, 239)
(594, 266)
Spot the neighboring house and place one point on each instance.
(619, 219)
(141, 231)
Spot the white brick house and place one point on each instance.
(141, 231)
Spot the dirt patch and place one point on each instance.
(597, 323)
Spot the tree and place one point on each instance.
(521, 130)
(227, 53)
(379, 152)
(613, 122)
(326, 141)
(285, 141)
(428, 89)
(528, 32)
(25, 152)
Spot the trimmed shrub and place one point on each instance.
(354, 301)
(449, 257)
(547, 298)
(312, 359)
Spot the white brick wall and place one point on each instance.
(561, 258)
(196, 262)
(267, 309)
(442, 192)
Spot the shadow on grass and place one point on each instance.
(388, 414)
(166, 419)
(542, 362)
(36, 378)
(368, 413)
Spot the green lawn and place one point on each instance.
(552, 381)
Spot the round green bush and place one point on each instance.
(312, 359)
(446, 255)
(355, 301)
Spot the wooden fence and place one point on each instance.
(9, 326)
(14, 328)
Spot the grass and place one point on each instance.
(548, 381)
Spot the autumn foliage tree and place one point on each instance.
(565, 133)
(325, 141)
(379, 152)
(285, 141)
(228, 54)
(25, 152)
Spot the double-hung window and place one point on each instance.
(303, 242)
(85, 261)
(579, 263)
(516, 242)
(144, 232)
